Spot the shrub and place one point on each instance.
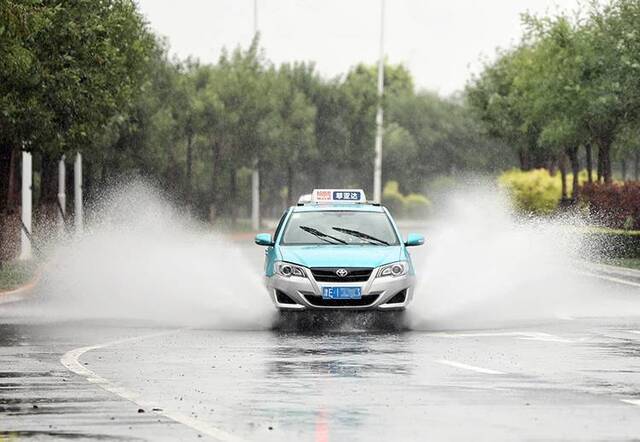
(610, 243)
(417, 205)
(392, 198)
(536, 191)
(615, 205)
(413, 205)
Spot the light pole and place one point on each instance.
(62, 193)
(377, 165)
(255, 174)
(77, 193)
(27, 201)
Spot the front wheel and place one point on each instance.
(340, 320)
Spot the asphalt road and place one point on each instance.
(565, 379)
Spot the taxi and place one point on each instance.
(335, 250)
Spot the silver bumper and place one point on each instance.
(307, 292)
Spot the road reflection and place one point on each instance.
(314, 381)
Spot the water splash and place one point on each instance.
(142, 259)
(486, 267)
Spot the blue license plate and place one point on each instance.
(341, 293)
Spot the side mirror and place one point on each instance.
(264, 239)
(414, 239)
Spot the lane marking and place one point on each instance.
(71, 360)
(625, 271)
(468, 367)
(610, 278)
(527, 336)
(565, 317)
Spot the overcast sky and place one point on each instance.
(441, 41)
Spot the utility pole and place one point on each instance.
(27, 201)
(377, 165)
(77, 193)
(255, 174)
(62, 194)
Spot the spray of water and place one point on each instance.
(483, 267)
(487, 268)
(142, 259)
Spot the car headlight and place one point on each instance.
(399, 268)
(287, 270)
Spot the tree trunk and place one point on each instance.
(233, 192)
(89, 181)
(605, 148)
(48, 203)
(562, 166)
(589, 156)
(6, 159)
(12, 196)
(188, 186)
(213, 197)
(289, 184)
(600, 165)
(623, 169)
(636, 166)
(575, 169)
(9, 216)
(523, 156)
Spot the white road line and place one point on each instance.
(528, 336)
(565, 317)
(71, 361)
(468, 367)
(610, 278)
(631, 401)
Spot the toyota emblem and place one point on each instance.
(342, 272)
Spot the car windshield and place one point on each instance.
(339, 227)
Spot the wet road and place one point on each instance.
(568, 379)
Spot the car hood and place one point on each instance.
(340, 256)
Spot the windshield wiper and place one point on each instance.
(322, 236)
(361, 235)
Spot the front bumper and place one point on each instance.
(298, 293)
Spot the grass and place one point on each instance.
(631, 263)
(13, 274)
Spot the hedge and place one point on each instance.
(413, 205)
(536, 191)
(615, 205)
(612, 243)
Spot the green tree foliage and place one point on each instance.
(89, 77)
(572, 82)
(68, 68)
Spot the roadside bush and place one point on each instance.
(615, 205)
(613, 243)
(536, 191)
(417, 205)
(413, 205)
(392, 198)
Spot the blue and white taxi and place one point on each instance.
(334, 250)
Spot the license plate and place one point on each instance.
(341, 293)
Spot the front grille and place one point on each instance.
(365, 301)
(328, 274)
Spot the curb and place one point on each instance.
(20, 293)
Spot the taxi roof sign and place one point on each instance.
(338, 196)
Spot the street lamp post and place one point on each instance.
(27, 201)
(377, 166)
(255, 174)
